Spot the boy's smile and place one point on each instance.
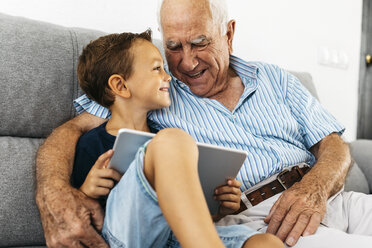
(149, 83)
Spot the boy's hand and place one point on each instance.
(229, 197)
(100, 179)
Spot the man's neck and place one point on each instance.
(126, 117)
(231, 94)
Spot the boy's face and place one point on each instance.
(149, 83)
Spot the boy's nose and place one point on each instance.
(167, 77)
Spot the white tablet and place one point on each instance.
(216, 164)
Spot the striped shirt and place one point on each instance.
(276, 119)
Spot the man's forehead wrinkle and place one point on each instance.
(197, 29)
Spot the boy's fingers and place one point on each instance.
(228, 197)
(101, 191)
(233, 183)
(227, 189)
(104, 159)
(230, 205)
(106, 183)
(110, 173)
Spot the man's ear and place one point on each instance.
(230, 34)
(119, 86)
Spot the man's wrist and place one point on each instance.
(44, 189)
(312, 183)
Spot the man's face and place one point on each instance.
(196, 52)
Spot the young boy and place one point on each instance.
(160, 191)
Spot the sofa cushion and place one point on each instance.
(19, 216)
(38, 64)
(361, 153)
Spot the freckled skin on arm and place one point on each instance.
(67, 214)
(301, 208)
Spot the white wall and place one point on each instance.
(284, 32)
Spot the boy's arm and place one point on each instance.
(65, 211)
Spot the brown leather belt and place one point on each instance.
(285, 179)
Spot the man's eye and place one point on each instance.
(200, 46)
(157, 68)
(173, 48)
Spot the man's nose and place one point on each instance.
(189, 60)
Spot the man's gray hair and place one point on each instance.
(218, 10)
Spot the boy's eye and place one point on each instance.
(157, 68)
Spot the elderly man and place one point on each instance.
(221, 99)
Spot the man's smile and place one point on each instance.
(196, 75)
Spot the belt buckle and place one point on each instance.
(280, 180)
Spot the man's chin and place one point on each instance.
(199, 91)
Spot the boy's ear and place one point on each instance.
(119, 86)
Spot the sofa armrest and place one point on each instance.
(361, 151)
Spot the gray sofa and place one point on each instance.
(37, 85)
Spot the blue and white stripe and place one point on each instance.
(276, 119)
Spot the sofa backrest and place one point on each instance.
(38, 75)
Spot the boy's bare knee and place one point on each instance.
(263, 240)
(173, 134)
(170, 138)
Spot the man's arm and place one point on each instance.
(301, 208)
(66, 213)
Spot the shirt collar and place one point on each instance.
(243, 68)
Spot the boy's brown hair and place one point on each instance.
(103, 57)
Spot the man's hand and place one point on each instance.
(229, 197)
(301, 208)
(66, 213)
(100, 179)
(298, 211)
(70, 218)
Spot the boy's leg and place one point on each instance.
(171, 167)
(263, 240)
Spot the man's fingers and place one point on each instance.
(276, 219)
(96, 213)
(313, 225)
(287, 225)
(102, 160)
(298, 229)
(272, 210)
(93, 239)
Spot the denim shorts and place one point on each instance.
(134, 219)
